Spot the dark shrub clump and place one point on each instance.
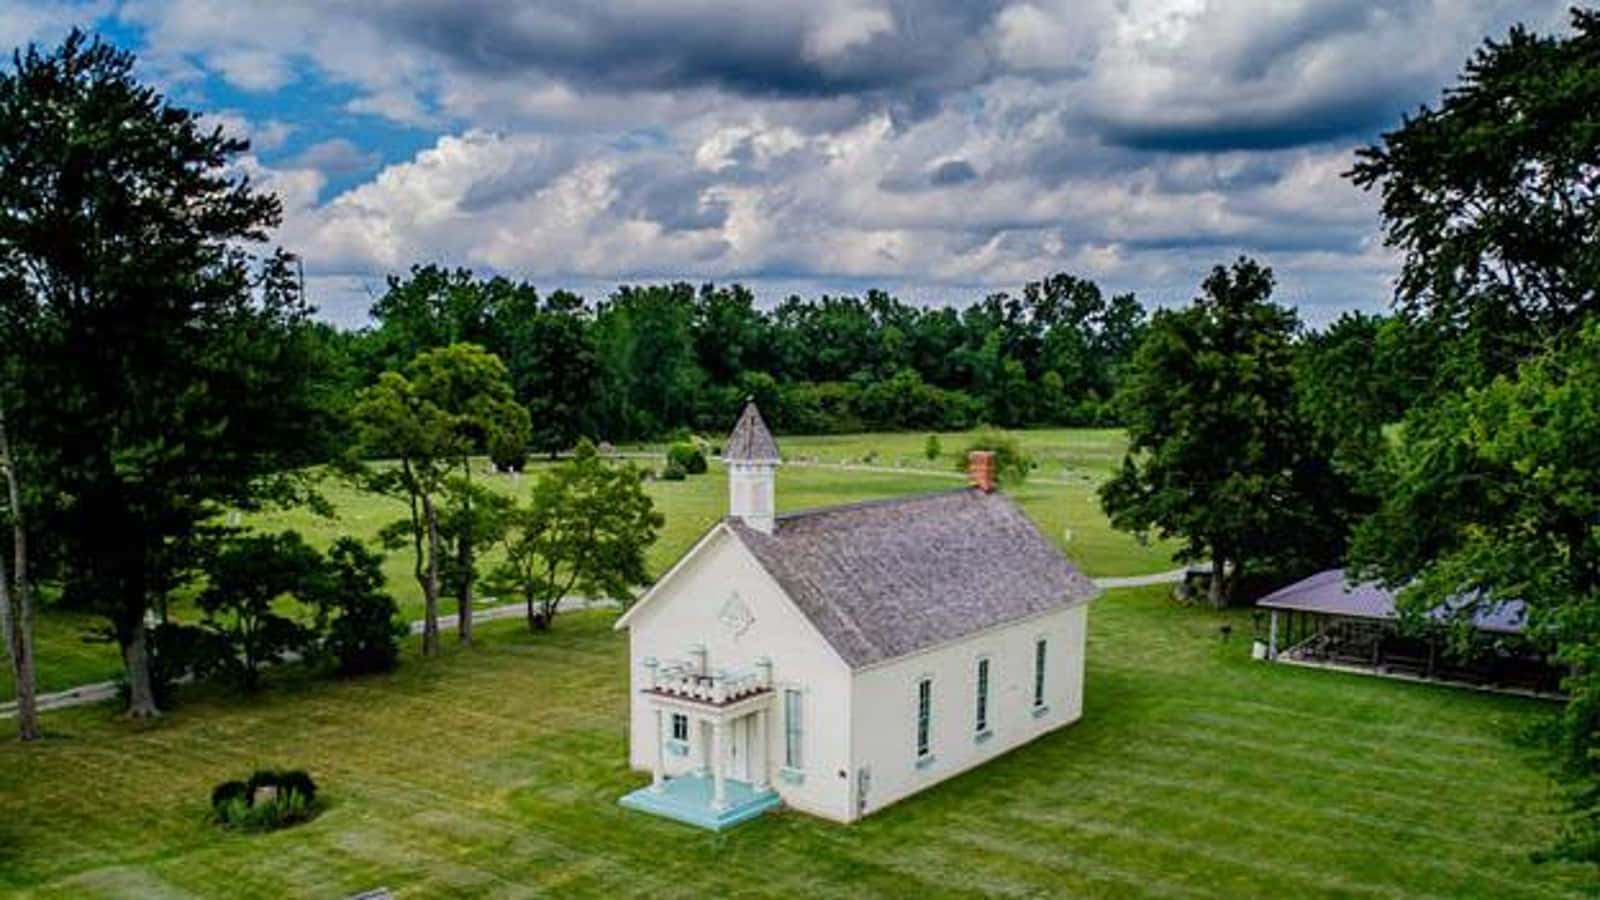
(269, 800)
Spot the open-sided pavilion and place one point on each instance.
(1326, 621)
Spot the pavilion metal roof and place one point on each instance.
(1330, 593)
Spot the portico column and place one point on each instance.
(719, 780)
(762, 751)
(702, 749)
(658, 772)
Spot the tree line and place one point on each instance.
(651, 360)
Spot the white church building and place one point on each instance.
(839, 659)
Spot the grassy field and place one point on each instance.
(1082, 455)
(494, 772)
(1069, 512)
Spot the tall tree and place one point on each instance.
(652, 376)
(585, 529)
(1490, 198)
(449, 404)
(1219, 454)
(549, 348)
(433, 307)
(184, 361)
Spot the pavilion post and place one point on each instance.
(1272, 637)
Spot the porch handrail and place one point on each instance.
(683, 679)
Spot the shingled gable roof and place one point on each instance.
(887, 578)
(750, 440)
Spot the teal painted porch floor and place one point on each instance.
(687, 798)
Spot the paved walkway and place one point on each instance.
(1125, 581)
(105, 690)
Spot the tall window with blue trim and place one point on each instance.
(1038, 673)
(982, 723)
(791, 729)
(924, 717)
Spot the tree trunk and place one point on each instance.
(16, 602)
(464, 563)
(1219, 597)
(430, 586)
(19, 649)
(136, 660)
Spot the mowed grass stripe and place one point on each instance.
(1245, 825)
(1072, 871)
(1269, 798)
(1231, 871)
(1401, 757)
(1433, 794)
(1287, 711)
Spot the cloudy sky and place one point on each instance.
(937, 148)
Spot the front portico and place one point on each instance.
(717, 722)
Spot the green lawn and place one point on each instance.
(1194, 773)
(1086, 455)
(1068, 512)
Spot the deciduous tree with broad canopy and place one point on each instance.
(584, 530)
(1219, 452)
(450, 403)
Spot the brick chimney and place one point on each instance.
(980, 470)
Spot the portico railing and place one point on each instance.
(689, 681)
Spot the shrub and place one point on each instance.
(1011, 464)
(932, 449)
(245, 579)
(507, 453)
(365, 632)
(227, 792)
(299, 781)
(269, 800)
(687, 456)
(673, 472)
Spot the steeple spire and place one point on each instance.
(752, 459)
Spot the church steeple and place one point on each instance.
(752, 459)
